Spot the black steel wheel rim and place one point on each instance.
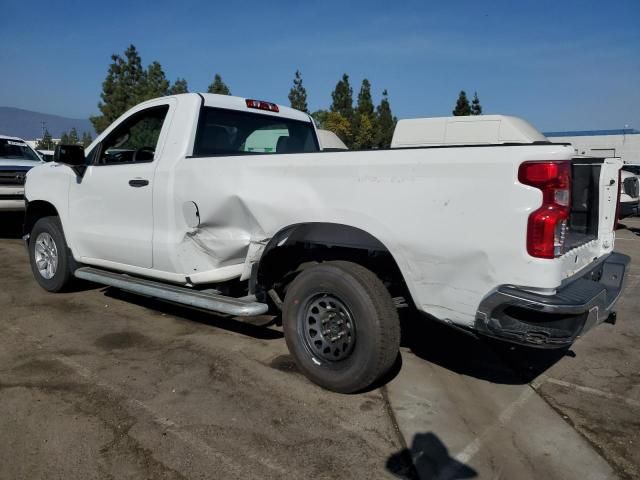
(328, 327)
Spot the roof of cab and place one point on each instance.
(240, 103)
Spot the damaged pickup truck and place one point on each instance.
(230, 205)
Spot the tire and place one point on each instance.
(47, 242)
(358, 332)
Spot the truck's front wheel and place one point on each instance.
(341, 326)
(51, 263)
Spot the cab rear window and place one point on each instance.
(231, 132)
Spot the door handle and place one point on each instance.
(138, 182)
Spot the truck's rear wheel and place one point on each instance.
(341, 326)
(51, 263)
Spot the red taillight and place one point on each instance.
(260, 105)
(547, 226)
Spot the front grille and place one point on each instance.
(12, 177)
(630, 186)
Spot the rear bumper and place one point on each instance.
(554, 321)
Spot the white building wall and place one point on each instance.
(625, 146)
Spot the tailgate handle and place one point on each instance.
(138, 182)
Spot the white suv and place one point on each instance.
(16, 159)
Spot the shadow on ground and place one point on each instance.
(634, 230)
(200, 316)
(11, 224)
(482, 358)
(427, 459)
(478, 357)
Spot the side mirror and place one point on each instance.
(71, 155)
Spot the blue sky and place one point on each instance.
(563, 65)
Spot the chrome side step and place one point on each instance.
(186, 296)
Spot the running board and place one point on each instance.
(186, 296)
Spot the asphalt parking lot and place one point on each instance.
(101, 384)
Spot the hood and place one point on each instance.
(17, 162)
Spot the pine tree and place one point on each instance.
(73, 137)
(64, 139)
(476, 108)
(365, 133)
(218, 86)
(462, 105)
(155, 83)
(298, 94)
(386, 122)
(179, 86)
(121, 88)
(342, 97)
(46, 142)
(86, 139)
(365, 102)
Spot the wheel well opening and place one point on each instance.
(35, 211)
(280, 264)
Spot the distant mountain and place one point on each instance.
(26, 124)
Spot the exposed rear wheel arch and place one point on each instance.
(299, 246)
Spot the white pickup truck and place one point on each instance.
(227, 204)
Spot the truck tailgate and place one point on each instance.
(594, 199)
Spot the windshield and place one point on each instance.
(15, 149)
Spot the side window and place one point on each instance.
(135, 140)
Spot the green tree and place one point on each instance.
(74, 139)
(155, 83)
(218, 86)
(462, 105)
(320, 117)
(70, 138)
(46, 142)
(476, 108)
(365, 102)
(86, 139)
(365, 135)
(298, 94)
(121, 88)
(342, 97)
(335, 122)
(179, 86)
(386, 122)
